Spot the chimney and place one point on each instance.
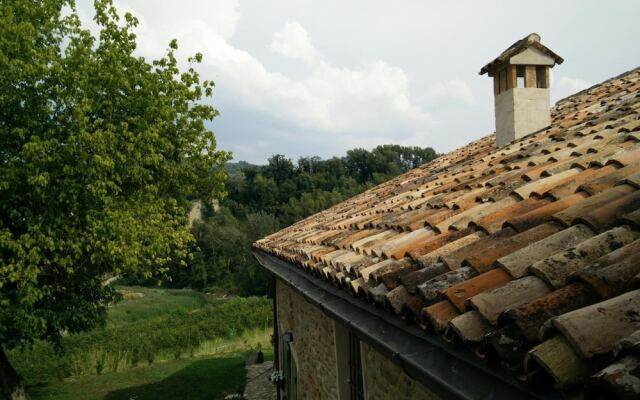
(521, 88)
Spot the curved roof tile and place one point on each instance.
(534, 244)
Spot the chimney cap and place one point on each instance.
(531, 40)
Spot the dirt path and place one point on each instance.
(258, 385)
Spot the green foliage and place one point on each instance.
(292, 192)
(224, 260)
(102, 154)
(141, 303)
(174, 334)
(261, 199)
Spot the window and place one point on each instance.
(541, 77)
(349, 364)
(520, 76)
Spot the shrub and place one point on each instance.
(113, 347)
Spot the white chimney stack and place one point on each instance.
(521, 88)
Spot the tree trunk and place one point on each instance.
(10, 383)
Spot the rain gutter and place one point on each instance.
(450, 372)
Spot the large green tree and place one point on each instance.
(101, 155)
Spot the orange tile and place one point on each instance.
(459, 293)
(530, 316)
(439, 314)
(544, 213)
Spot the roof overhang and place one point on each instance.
(449, 372)
(530, 41)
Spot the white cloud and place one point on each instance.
(369, 101)
(294, 42)
(354, 106)
(566, 86)
(455, 89)
(300, 78)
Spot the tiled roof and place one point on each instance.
(529, 254)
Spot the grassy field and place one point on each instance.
(212, 369)
(141, 303)
(194, 379)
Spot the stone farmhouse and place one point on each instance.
(506, 269)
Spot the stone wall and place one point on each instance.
(314, 349)
(385, 380)
(313, 344)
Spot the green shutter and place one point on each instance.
(290, 374)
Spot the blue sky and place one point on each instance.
(302, 77)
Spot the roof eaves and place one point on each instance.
(517, 48)
(450, 372)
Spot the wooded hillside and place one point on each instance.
(262, 199)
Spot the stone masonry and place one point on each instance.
(384, 380)
(314, 347)
(313, 343)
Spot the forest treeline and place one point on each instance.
(262, 199)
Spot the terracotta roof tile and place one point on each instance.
(412, 279)
(366, 271)
(632, 219)
(398, 248)
(608, 181)
(431, 290)
(462, 220)
(439, 315)
(492, 303)
(541, 186)
(493, 222)
(611, 274)
(470, 327)
(484, 255)
(530, 316)
(570, 186)
(460, 292)
(605, 217)
(627, 157)
(595, 329)
(544, 213)
(437, 242)
(571, 214)
(530, 236)
(556, 268)
(437, 255)
(454, 258)
(557, 358)
(518, 262)
(618, 380)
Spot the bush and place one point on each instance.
(114, 347)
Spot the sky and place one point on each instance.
(304, 78)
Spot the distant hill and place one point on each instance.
(238, 166)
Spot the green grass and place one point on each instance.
(141, 303)
(194, 379)
(212, 334)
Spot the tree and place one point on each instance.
(280, 168)
(102, 154)
(360, 164)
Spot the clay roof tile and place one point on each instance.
(494, 302)
(517, 263)
(558, 212)
(595, 329)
